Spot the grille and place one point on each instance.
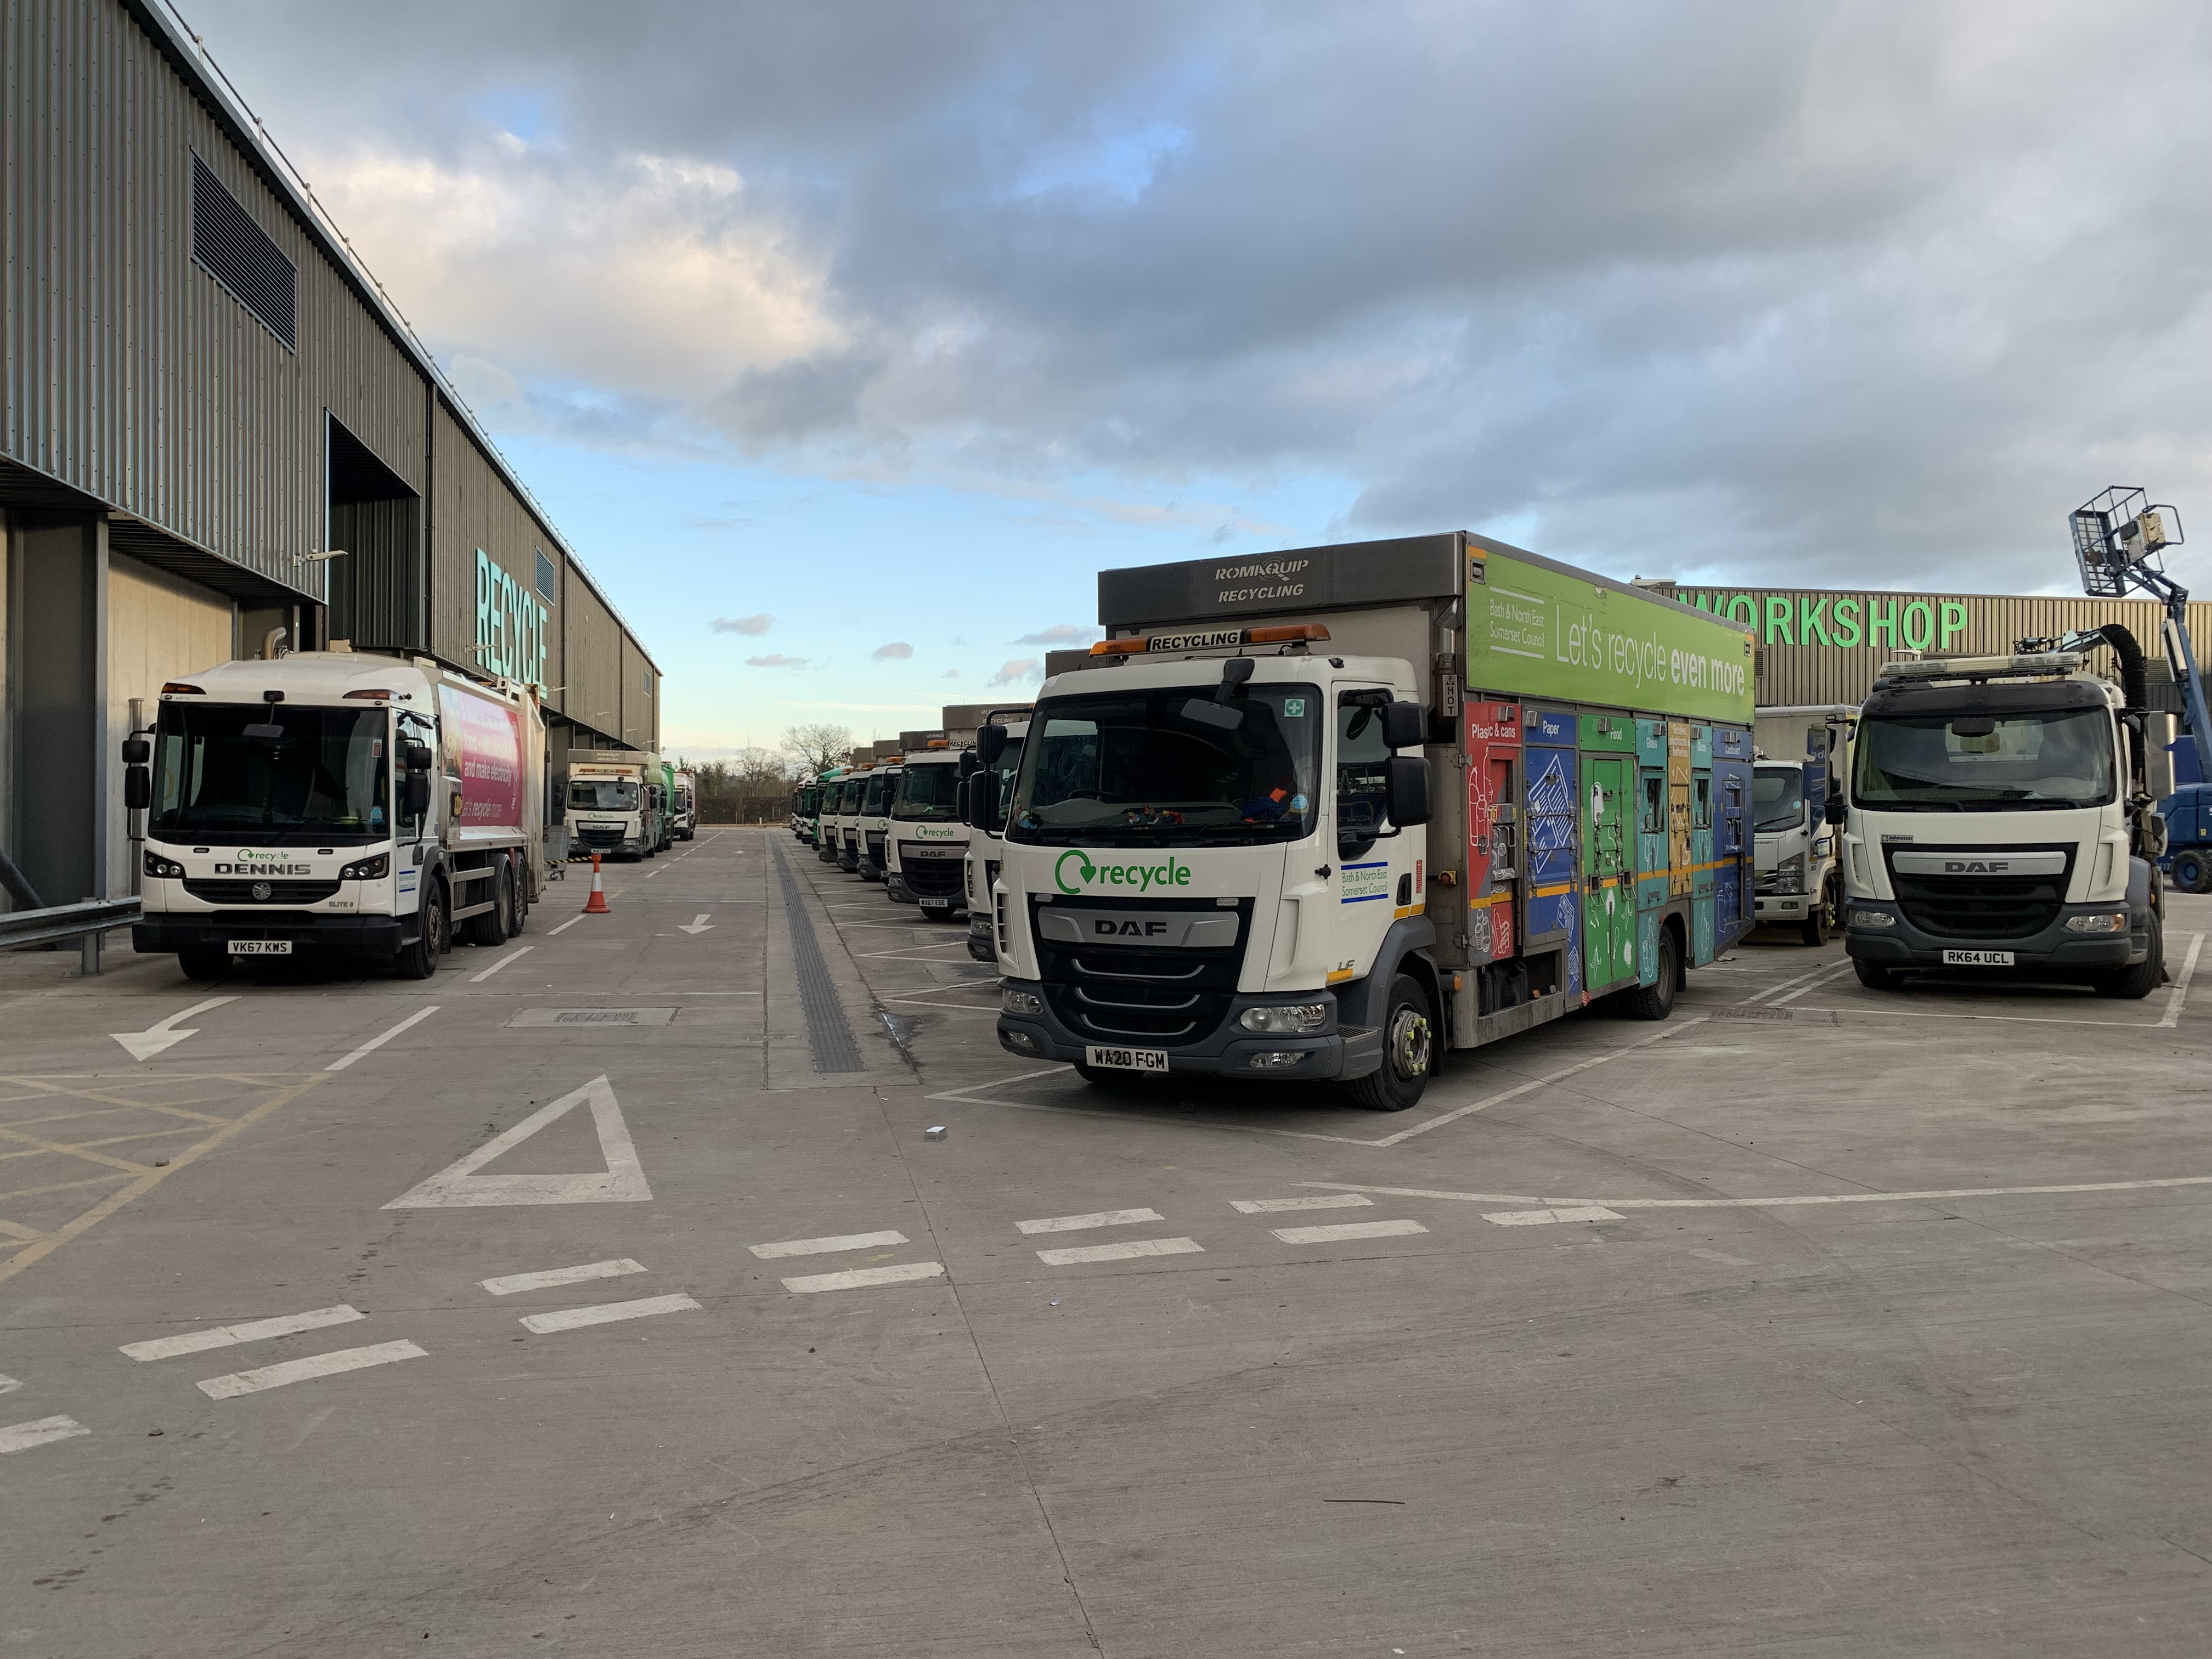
(875, 850)
(609, 834)
(1166, 998)
(280, 892)
(1981, 906)
(263, 918)
(931, 878)
(237, 253)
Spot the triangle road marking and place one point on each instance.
(458, 1186)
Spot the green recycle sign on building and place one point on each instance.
(1886, 621)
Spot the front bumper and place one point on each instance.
(1794, 907)
(1332, 1053)
(2053, 950)
(180, 931)
(982, 941)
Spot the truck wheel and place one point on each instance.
(2192, 872)
(1874, 976)
(420, 959)
(1656, 1000)
(489, 927)
(518, 916)
(2134, 984)
(206, 966)
(1824, 917)
(1409, 1051)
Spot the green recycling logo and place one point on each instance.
(1090, 871)
(1142, 877)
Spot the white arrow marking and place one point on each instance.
(458, 1186)
(145, 1045)
(699, 923)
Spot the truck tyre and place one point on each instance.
(519, 915)
(2134, 984)
(1874, 976)
(1827, 911)
(1656, 1000)
(420, 959)
(489, 927)
(1409, 1051)
(2192, 872)
(206, 966)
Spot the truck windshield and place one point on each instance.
(878, 799)
(2025, 761)
(810, 801)
(602, 794)
(1778, 798)
(928, 792)
(1136, 766)
(280, 772)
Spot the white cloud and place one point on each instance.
(1020, 671)
(759, 625)
(776, 660)
(1061, 634)
(896, 651)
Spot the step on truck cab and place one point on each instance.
(926, 841)
(1321, 814)
(1799, 882)
(979, 869)
(683, 818)
(2003, 820)
(336, 801)
(615, 803)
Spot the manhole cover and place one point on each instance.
(542, 1017)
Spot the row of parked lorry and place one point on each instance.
(1322, 815)
(357, 803)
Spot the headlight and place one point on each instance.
(1285, 1019)
(2115, 922)
(1790, 874)
(168, 868)
(368, 869)
(1021, 1002)
(1872, 919)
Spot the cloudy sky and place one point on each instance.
(847, 341)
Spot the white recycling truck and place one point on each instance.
(684, 810)
(336, 801)
(1801, 754)
(979, 868)
(926, 842)
(615, 803)
(2003, 820)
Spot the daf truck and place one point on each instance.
(979, 868)
(926, 841)
(1799, 882)
(874, 826)
(684, 817)
(2002, 821)
(615, 803)
(805, 808)
(846, 832)
(1320, 816)
(336, 802)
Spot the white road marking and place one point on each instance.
(824, 1246)
(378, 1041)
(1794, 979)
(24, 1436)
(1544, 1217)
(519, 951)
(1270, 1205)
(508, 1284)
(226, 1336)
(458, 1186)
(2179, 994)
(306, 1370)
(1076, 1224)
(1724, 1258)
(2146, 1185)
(1347, 1230)
(8, 1384)
(1812, 985)
(1134, 1248)
(565, 925)
(162, 1034)
(698, 925)
(859, 1279)
(606, 1313)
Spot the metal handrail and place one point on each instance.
(66, 921)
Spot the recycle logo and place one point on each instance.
(1088, 871)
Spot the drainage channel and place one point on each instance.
(829, 1038)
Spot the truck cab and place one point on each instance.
(979, 867)
(1799, 882)
(927, 842)
(2002, 821)
(683, 819)
(614, 804)
(874, 827)
(846, 830)
(831, 787)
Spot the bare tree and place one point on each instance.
(818, 748)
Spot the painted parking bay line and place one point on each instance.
(824, 1246)
(1319, 1201)
(508, 1284)
(606, 1313)
(307, 1370)
(1076, 1224)
(1347, 1230)
(226, 1336)
(859, 1279)
(1545, 1218)
(1134, 1248)
(2148, 1184)
(38, 1432)
(381, 1038)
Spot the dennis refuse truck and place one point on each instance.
(1322, 814)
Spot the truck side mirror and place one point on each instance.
(1405, 726)
(137, 751)
(990, 744)
(137, 786)
(1819, 739)
(1408, 783)
(980, 801)
(970, 764)
(415, 795)
(1836, 812)
(414, 756)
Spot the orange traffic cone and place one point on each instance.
(596, 904)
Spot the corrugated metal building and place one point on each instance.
(202, 386)
(1825, 645)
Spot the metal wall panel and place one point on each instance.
(473, 507)
(592, 649)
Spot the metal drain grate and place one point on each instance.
(829, 1038)
(532, 1018)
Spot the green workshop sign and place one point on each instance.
(1883, 622)
(1539, 630)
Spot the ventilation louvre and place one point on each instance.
(237, 253)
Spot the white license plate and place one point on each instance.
(1978, 959)
(1127, 1060)
(937, 904)
(260, 947)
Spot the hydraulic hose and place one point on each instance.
(2135, 677)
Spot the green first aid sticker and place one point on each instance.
(1294, 708)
